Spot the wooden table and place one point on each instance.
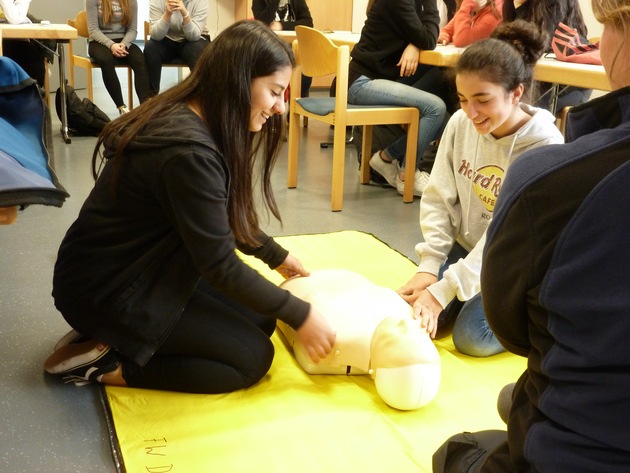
(62, 34)
(546, 69)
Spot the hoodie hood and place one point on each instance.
(165, 132)
(531, 134)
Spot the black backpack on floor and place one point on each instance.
(84, 118)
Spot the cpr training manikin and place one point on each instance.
(376, 335)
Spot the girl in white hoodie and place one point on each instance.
(480, 141)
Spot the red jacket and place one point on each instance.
(466, 28)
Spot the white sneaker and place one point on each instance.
(421, 179)
(389, 171)
(123, 109)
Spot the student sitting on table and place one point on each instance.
(383, 60)
(178, 31)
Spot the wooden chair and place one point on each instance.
(87, 63)
(175, 62)
(317, 56)
(562, 121)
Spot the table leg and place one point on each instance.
(62, 92)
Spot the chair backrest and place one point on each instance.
(317, 53)
(318, 56)
(80, 24)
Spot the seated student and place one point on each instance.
(555, 290)
(547, 14)
(480, 143)
(113, 28)
(178, 30)
(28, 54)
(282, 15)
(475, 19)
(383, 60)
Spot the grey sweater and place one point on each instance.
(115, 30)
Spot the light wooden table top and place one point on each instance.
(38, 31)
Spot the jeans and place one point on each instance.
(104, 58)
(157, 53)
(366, 91)
(471, 333)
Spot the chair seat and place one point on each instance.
(323, 106)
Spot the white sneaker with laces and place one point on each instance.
(421, 179)
(389, 170)
(123, 109)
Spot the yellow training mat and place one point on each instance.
(292, 422)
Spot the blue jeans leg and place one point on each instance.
(471, 333)
(366, 91)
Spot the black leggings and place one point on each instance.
(104, 58)
(217, 346)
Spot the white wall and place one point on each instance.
(594, 27)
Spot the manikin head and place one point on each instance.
(405, 364)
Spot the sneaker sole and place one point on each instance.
(75, 355)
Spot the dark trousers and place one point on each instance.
(107, 61)
(437, 81)
(28, 55)
(166, 50)
(467, 452)
(217, 346)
